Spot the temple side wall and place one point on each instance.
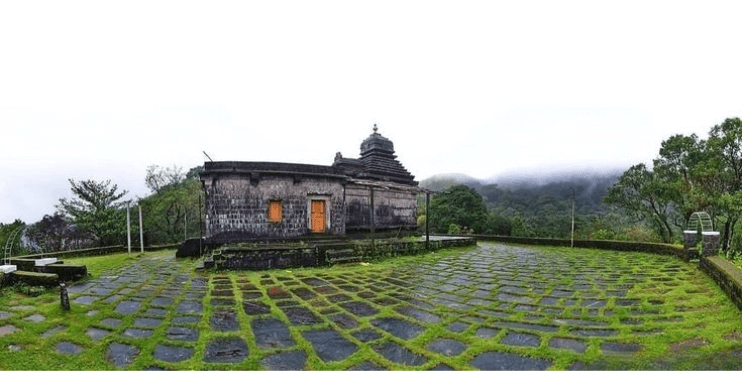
(237, 207)
(392, 208)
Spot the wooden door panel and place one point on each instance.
(318, 216)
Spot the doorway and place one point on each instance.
(318, 217)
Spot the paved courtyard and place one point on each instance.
(493, 306)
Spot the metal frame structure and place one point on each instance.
(701, 217)
(9, 245)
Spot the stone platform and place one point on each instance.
(492, 306)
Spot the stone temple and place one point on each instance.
(249, 201)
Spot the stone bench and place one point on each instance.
(35, 278)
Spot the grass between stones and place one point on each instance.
(513, 305)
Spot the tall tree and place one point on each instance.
(725, 165)
(646, 198)
(171, 212)
(158, 177)
(96, 209)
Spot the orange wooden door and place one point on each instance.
(318, 216)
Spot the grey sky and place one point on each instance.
(99, 90)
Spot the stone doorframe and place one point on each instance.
(319, 197)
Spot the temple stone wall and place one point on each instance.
(392, 208)
(237, 207)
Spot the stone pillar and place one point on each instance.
(710, 243)
(690, 238)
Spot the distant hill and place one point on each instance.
(528, 194)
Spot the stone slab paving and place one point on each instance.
(490, 307)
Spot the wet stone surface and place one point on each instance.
(294, 360)
(255, 308)
(121, 355)
(301, 316)
(571, 344)
(96, 334)
(398, 327)
(182, 334)
(447, 347)
(226, 350)
(521, 339)
(53, 331)
(222, 320)
(399, 354)
(533, 305)
(68, 348)
(137, 333)
(128, 307)
(35, 318)
(330, 345)
(147, 322)
(172, 354)
(507, 361)
(271, 333)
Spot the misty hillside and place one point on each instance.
(440, 182)
(536, 195)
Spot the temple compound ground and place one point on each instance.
(492, 306)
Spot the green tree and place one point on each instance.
(645, 197)
(97, 209)
(171, 212)
(723, 174)
(464, 207)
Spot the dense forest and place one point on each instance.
(542, 206)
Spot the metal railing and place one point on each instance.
(9, 245)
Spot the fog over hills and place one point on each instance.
(527, 193)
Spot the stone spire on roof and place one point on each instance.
(379, 161)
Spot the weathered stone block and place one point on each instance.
(710, 243)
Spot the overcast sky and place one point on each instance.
(100, 90)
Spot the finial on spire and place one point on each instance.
(376, 128)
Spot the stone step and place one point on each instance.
(342, 256)
(349, 259)
(67, 272)
(35, 279)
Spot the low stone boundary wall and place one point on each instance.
(257, 258)
(104, 250)
(655, 248)
(726, 275)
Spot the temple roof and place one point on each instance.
(377, 162)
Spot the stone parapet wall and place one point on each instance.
(655, 248)
(103, 250)
(726, 275)
(317, 255)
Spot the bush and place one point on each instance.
(29, 290)
(454, 229)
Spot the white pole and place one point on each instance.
(141, 231)
(572, 240)
(185, 227)
(128, 229)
